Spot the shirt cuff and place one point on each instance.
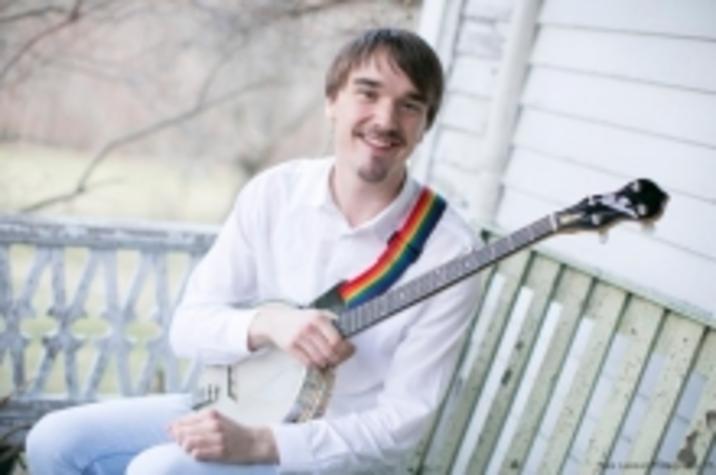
(230, 341)
(294, 448)
(238, 330)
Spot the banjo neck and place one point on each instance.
(354, 320)
(640, 200)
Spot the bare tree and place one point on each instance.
(216, 80)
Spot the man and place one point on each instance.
(295, 231)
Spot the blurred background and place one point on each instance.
(160, 110)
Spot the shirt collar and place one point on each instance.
(385, 223)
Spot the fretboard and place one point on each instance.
(359, 318)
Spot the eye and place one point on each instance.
(415, 107)
(367, 94)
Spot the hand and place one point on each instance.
(210, 436)
(307, 334)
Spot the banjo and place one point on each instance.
(271, 386)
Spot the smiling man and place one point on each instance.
(295, 231)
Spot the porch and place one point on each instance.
(564, 370)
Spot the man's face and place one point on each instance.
(379, 118)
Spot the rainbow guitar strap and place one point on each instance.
(404, 248)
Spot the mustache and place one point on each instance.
(382, 133)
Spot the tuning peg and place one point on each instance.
(648, 227)
(642, 210)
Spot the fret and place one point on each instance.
(355, 320)
(418, 286)
(383, 304)
(454, 268)
(360, 318)
(510, 244)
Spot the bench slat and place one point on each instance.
(679, 343)
(437, 430)
(572, 293)
(542, 280)
(605, 310)
(701, 434)
(469, 384)
(637, 332)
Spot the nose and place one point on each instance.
(386, 116)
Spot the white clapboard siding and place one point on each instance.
(460, 149)
(467, 113)
(497, 9)
(621, 152)
(683, 276)
(680, 62)
(482, 39)
(614, 90)
(674, 113)
(472, 76)
(620, 89)
(688, 222)
(689, 18)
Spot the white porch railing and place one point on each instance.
(85, 311)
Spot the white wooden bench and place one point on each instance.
(562, 371)
(565, 372)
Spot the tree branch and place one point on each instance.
(71, 17)
(203, 101)
(38, 12)
(68, 196)
(199, 108)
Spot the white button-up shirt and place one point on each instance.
(285, 239)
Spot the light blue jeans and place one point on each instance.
(116, 437)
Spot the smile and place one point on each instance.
(380, 141)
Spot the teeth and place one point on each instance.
(376, 142)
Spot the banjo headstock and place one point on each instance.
(640, 200)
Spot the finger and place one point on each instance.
(298, 352)
(194, 418)
(311, 348)
(328, 328)
(203, 422)
(341, 352)
(328, 339)
(311, 342)
(209, 454)
(207, 448)
(203, 442)
(180, 422)
(344, 351)
(323, 349)
(189, 444)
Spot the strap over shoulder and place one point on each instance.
(404, 248)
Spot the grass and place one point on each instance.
(126, 187)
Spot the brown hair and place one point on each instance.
(411, 54)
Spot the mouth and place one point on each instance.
(380, 141)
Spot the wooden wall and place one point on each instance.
(613, 90)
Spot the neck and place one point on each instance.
(359, 200)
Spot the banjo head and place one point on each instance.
(269, 387)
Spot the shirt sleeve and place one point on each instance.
(419, 374)
(212, 320)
